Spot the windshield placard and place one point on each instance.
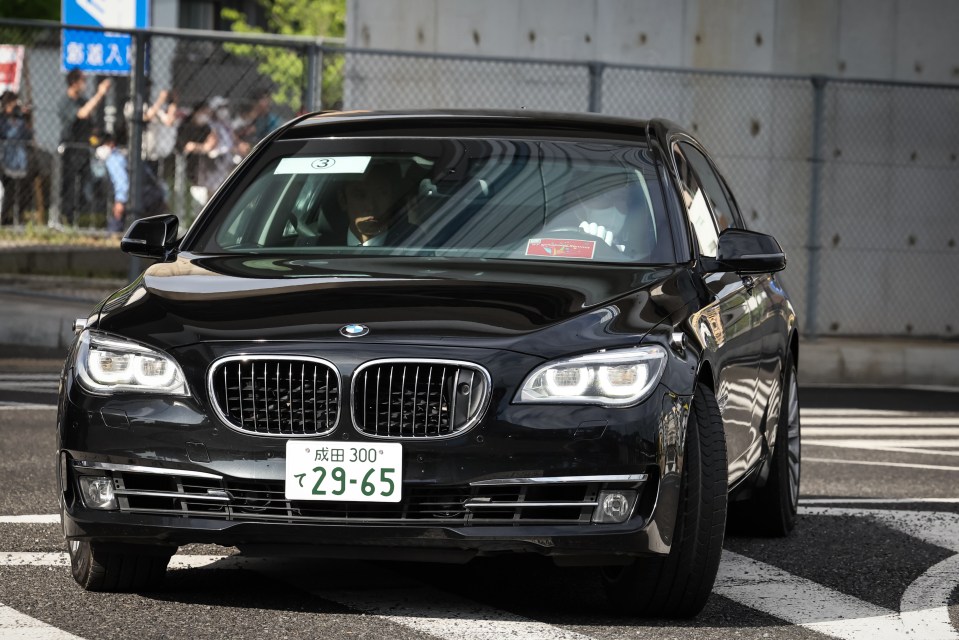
(560, 248)
(323, 164)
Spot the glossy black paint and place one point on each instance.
(508, 316)
(153, 237)
(749, 252)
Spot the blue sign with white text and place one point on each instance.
(101, 52)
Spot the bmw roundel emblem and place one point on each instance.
(354, 330)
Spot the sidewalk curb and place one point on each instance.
(879, 362)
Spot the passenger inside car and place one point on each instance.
(612, 207)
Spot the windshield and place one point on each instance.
(459, 198)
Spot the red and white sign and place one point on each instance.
(561, 248)
(11, 67)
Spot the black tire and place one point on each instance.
(677, 585)
(104, 567)
(772, 511)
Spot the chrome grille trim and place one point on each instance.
(435, 394)
(211, 497)
(254, 402)
(513, 504)
(632, 477)
(135, 468)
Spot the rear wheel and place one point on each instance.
(772, 512)
(106, 567)
(678, 584)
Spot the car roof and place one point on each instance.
(472, 122)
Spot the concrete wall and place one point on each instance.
(890, 178)
(883, 39)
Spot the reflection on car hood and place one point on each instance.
(534, 307)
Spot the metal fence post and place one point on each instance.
(312, 66)
(596, 86)
(815, 185)
(135, 202)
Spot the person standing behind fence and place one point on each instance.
(16, 134)
(152, 194)
(260, 119)
(77, 114)
(224, 157)
(195, 140)
(159, 139)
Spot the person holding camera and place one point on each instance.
(16, 135)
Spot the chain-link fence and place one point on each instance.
(205, 99)
(857, 180)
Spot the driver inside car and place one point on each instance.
(373, 206)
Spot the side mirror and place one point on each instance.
(748, 252)
(153, 237)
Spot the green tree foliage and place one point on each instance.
(287, 67)
(26, 10)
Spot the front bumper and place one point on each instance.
(189, 479)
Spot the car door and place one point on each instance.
(729, 313)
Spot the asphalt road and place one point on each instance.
(875, 554)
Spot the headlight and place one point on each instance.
(106, 364)
(614, 378)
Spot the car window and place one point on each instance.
(482, 198)
(712, 187)
(695, 201)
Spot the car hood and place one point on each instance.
(533, 307)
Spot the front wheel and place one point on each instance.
(677, 585)
(105, 567)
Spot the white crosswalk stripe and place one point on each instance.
(922, 612)
(13, 384)
(926, 434)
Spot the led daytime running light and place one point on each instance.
(106, 365)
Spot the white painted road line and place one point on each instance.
(858, 413)
(922, 421)
(866, 445)
(814, 501)
(417, 606)
(25, 407)
(931, 443)
(884, 432)
(50, 518)
(61, 559)
(876, 463)
(808, 604)
(14, 624)
(804, 602)
(408, 603)
(925, 604)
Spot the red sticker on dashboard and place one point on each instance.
(560, 248)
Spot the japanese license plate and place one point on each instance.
(344, 471)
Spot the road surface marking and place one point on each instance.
(925, 603)
(876, 421)
(51, 518)
(879, 431)
(14, 624)
(931, 443)
(405, 602)
(417, 606)
(876, 463)
(815, 501)
(811, 605)
(22, 407)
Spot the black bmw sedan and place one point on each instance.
(436, 336)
